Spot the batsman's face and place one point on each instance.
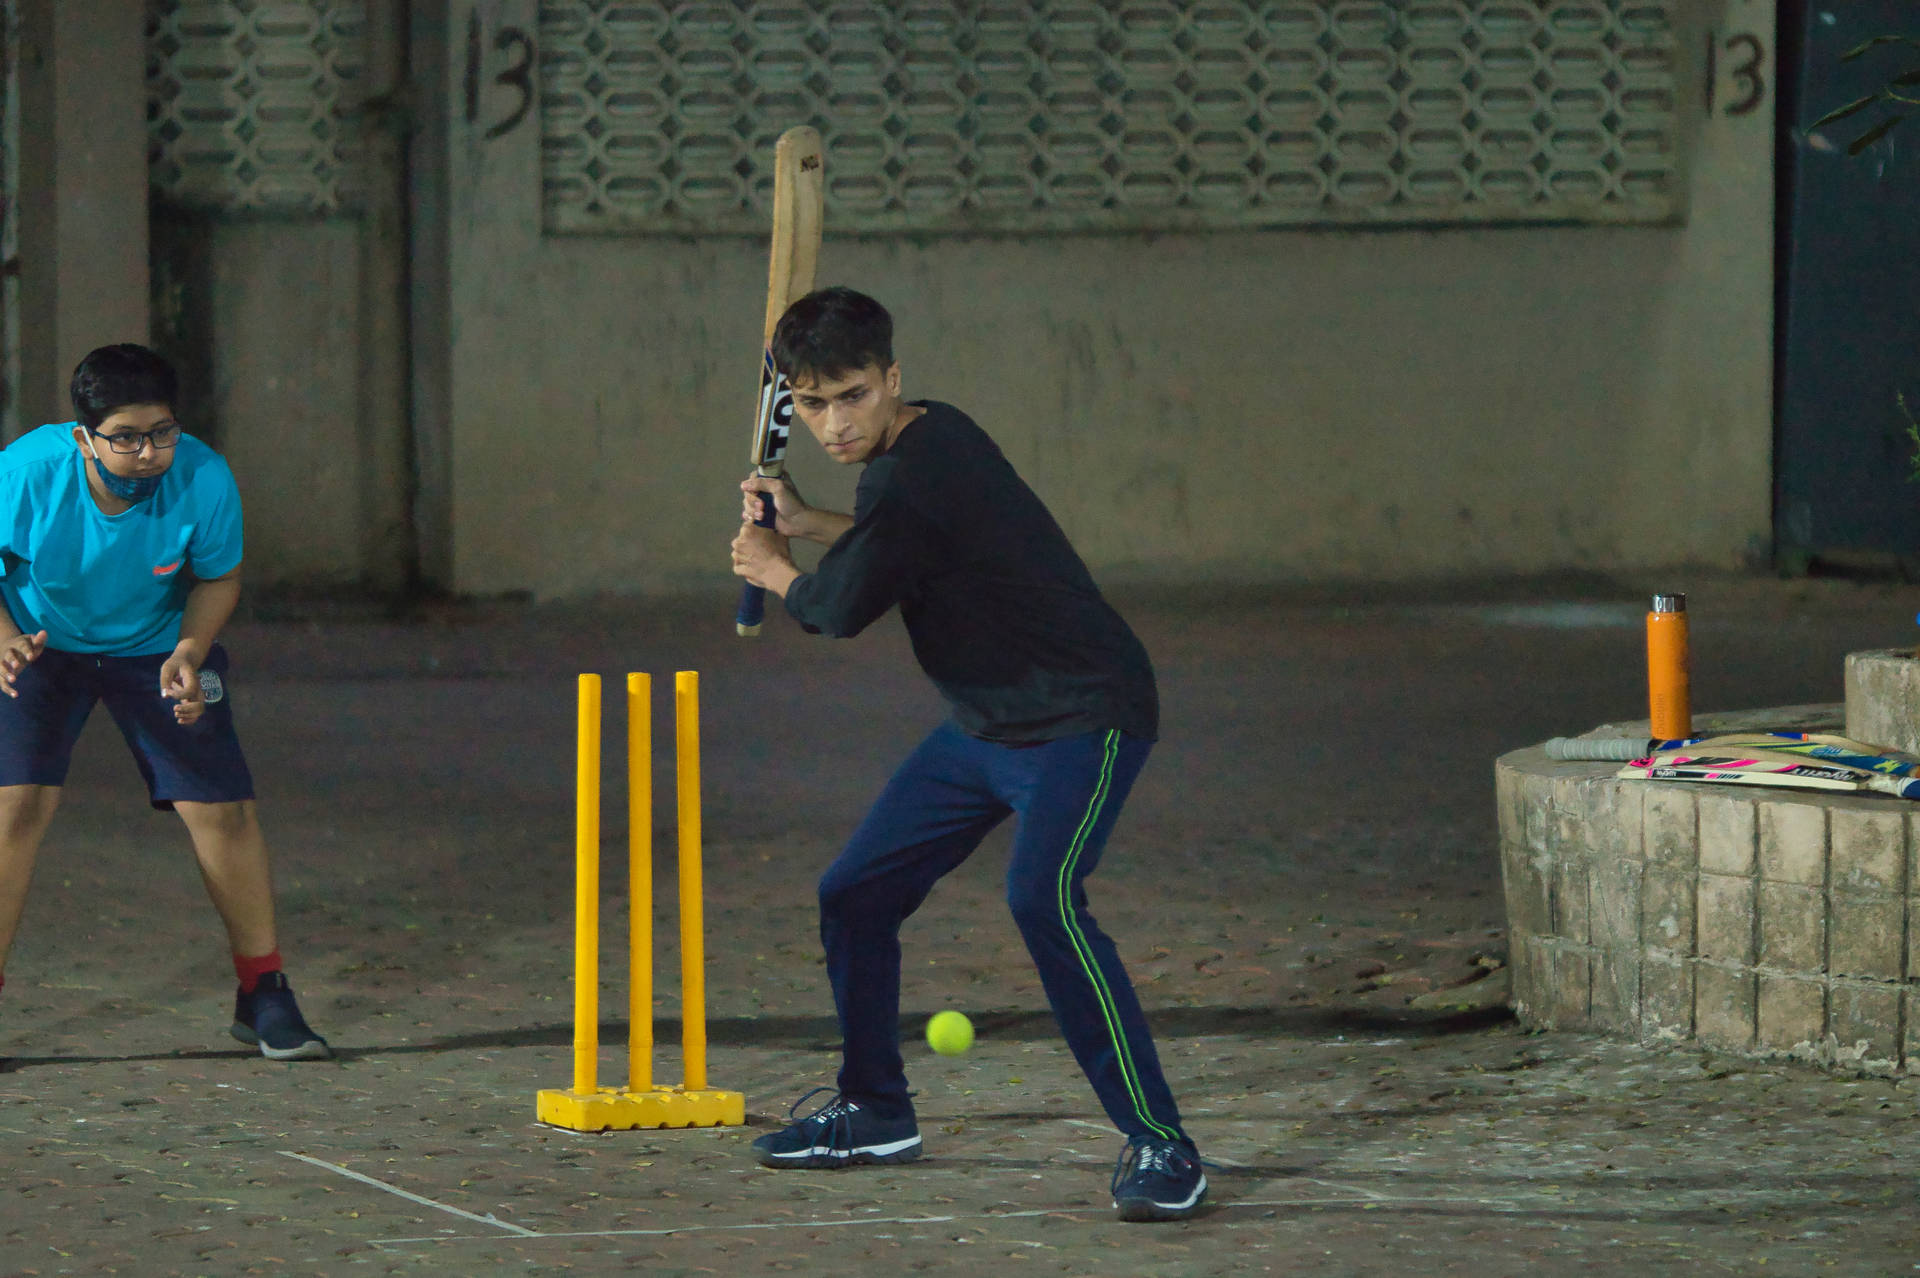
(855, 416)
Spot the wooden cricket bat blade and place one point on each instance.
(799, 210)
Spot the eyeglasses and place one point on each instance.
(132, 441)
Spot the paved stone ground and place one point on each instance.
(1306, 889)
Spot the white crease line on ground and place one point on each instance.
(409, 1196)
(1490, 1204)
(1346, 1189)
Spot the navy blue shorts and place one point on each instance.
(199, 762)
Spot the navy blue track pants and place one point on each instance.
(949, 793)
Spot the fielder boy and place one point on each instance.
(120, 547)
(1054, 712)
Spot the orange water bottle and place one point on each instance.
(1669, 698)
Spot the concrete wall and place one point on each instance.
(283, 386)
(290, 331)
(288, 335)
(1269, 406)
(291, 361)
(81, 204)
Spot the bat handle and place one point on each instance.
(1624, 749)
(1596, 749)
(753, 599)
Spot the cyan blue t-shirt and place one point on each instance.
(110, 584)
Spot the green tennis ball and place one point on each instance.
(949, 1033)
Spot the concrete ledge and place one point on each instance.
(1762, 922)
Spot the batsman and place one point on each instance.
(1054, 713)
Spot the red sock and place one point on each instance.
(250, 970)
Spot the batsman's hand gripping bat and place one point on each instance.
(798, 211)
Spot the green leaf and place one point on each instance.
(1841, 113)
(1861, 48)
(1913, 436)
(1874, 134)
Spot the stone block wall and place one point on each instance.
(1755, 920)
(1883, 691)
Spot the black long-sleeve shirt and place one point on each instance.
(1003, 615)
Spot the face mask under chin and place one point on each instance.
(134, 489)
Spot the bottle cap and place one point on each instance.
(1670, 603)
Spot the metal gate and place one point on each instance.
(1848, 319)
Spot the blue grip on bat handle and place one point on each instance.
(753, 599)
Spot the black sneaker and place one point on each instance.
(1158, 1180)
(839, 1133)
(270, 1018)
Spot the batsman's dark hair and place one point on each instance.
(114, 377)
(832, 332)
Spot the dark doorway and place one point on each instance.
(1847, 326)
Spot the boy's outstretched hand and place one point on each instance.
(16, 655)
(180, 680)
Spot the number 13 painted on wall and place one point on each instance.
(517, 74)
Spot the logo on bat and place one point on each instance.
(782, 411)
(776, 412)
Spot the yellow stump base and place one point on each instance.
(613, 1109)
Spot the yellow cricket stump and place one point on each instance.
(586, 1106)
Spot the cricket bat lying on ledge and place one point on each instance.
(1801, 746)
(1804, 760)
(1737, 769)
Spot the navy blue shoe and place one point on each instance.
(270, 1019)
(1158, 1180)
(839, 1133)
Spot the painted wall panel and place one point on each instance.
(285, 385)
(1257, 406)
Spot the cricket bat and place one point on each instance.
(1791, 746)
(1621, 749)
(1736, 769)
(799, 203)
